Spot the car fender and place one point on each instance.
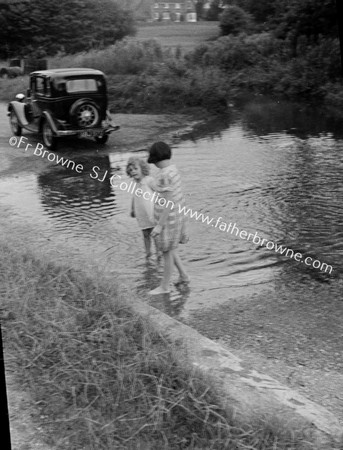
(47, 116)
(19, 109)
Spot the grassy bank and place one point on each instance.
(11, 87)
(187, 36)
(102, 377)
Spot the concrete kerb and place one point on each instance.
(252, 392)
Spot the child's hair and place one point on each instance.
(158, 152)
(133, 161)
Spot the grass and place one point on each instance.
(187, 36)
(100, 375)
(11, 87)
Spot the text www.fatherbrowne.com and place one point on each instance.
(255, 238)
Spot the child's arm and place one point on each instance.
(151, 182)
(164, 216)
(132, 209)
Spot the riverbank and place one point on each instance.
(150, 76)
(100, 376)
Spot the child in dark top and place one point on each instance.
(170, 223)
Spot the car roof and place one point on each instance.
(67, 72)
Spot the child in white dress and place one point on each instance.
(142, 206)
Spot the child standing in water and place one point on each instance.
(169, 230)
(142, 208)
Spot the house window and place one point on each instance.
(166, 16)
(177, 5)
(191, 17)
(166, 5)
(156, 16)
(156, 5)
(189, 4)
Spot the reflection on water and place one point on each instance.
(77, 200)
(265, 117)
(270, 169)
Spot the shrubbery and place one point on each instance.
(125, 57)
(235, 20)
(142, 76)
(145, 77)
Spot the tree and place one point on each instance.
(61, 25)
(214, 11)
(234, 20)
(260, 10)
(107, 22)
(199, 8)
(310, 18)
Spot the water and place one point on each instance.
(271, 169)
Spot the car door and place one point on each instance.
(37, 96)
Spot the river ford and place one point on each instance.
(269, 169)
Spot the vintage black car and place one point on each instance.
(63, 102)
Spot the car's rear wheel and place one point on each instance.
(15, 127)
(101, 139)
(49, 139)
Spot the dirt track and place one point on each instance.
(137, 132)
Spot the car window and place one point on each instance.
(82, 85)
(60, 84)
(47, 88)
(40, 86)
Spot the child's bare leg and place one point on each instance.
(159, 254)
(147, 241)
(167, 273)
(180, 267)
(168, 269)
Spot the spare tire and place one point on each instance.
(85, 114)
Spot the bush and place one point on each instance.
(125, 57)
(232, 53)
(235, 20)
(142, 76)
